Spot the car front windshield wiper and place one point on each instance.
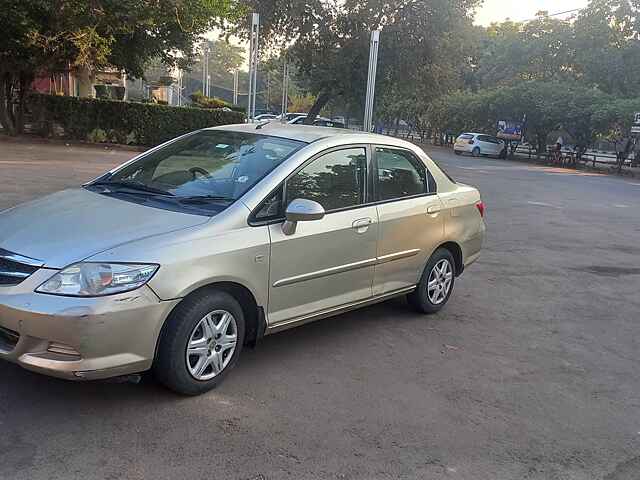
(132, 185)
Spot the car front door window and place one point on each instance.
(400, 174)
(335, 180)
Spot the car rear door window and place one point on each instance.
(400, 174)
(336, 180)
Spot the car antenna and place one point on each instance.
(262, 124)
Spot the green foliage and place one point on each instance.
(97, 135)
(124, 122)
(581, 74)
(548, 105)
(328, 42)
(203, 101)
(51, 35)
(109, 92)
(301, 103)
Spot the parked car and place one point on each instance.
(177, 259)
(321, 122)
(479, 144)
(265, 116)
(318, 122)
(299, 120)
(292, 116)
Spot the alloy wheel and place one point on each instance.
(439, 283)
(211, 345)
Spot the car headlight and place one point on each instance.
(88, 279)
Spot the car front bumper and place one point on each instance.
(79, 338)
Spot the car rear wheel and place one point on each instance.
(201, 342)
(457, 152)
(476, 152)
(435, 287)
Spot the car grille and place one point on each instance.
(14, 268)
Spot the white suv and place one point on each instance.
(478, 144)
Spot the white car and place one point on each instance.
(292, 116)
(478, 144)
(265, 116)
(299, 120)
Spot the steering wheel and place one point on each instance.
(198, 170)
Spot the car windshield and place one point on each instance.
(465, 136)
(214, 165)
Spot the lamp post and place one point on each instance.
(285, 89)
(253, 65)
(236, 84)
(371, 81)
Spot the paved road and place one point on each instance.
(531, 372)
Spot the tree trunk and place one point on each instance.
(22, 95)
(321, 102)
(6, 115)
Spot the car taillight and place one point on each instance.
(471, 142)
(480, 207)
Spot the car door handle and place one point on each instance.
(433, 209)
(362, 225)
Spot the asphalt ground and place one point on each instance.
(531, 371)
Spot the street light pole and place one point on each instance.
(253, 65)
(205, 68)
(285, 89)
(371, 81)
(236, 84)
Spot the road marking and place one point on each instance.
(617, 205)
(542, 204)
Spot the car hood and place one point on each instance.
(71, 225)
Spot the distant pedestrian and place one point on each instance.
(557, 152)
(623, 150)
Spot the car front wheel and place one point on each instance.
(435, 287)
(200, 343)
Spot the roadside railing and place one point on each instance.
(592, 157)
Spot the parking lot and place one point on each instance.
(531, 372)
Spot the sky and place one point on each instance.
(500, 10)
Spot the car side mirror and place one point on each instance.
(301, 210)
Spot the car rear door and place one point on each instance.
(326, 263)
(410, 216)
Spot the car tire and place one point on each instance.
(199, 321)
(457, 152)
(476, 152)
(424, 298)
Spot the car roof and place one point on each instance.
(303, 133)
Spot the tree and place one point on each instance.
(224, 59)
(49, 36)
(542, 49)
(608, 45)
(329, 43)
(547, 105)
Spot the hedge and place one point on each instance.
(144, 124)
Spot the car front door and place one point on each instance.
(327, 263)
(410, 216)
